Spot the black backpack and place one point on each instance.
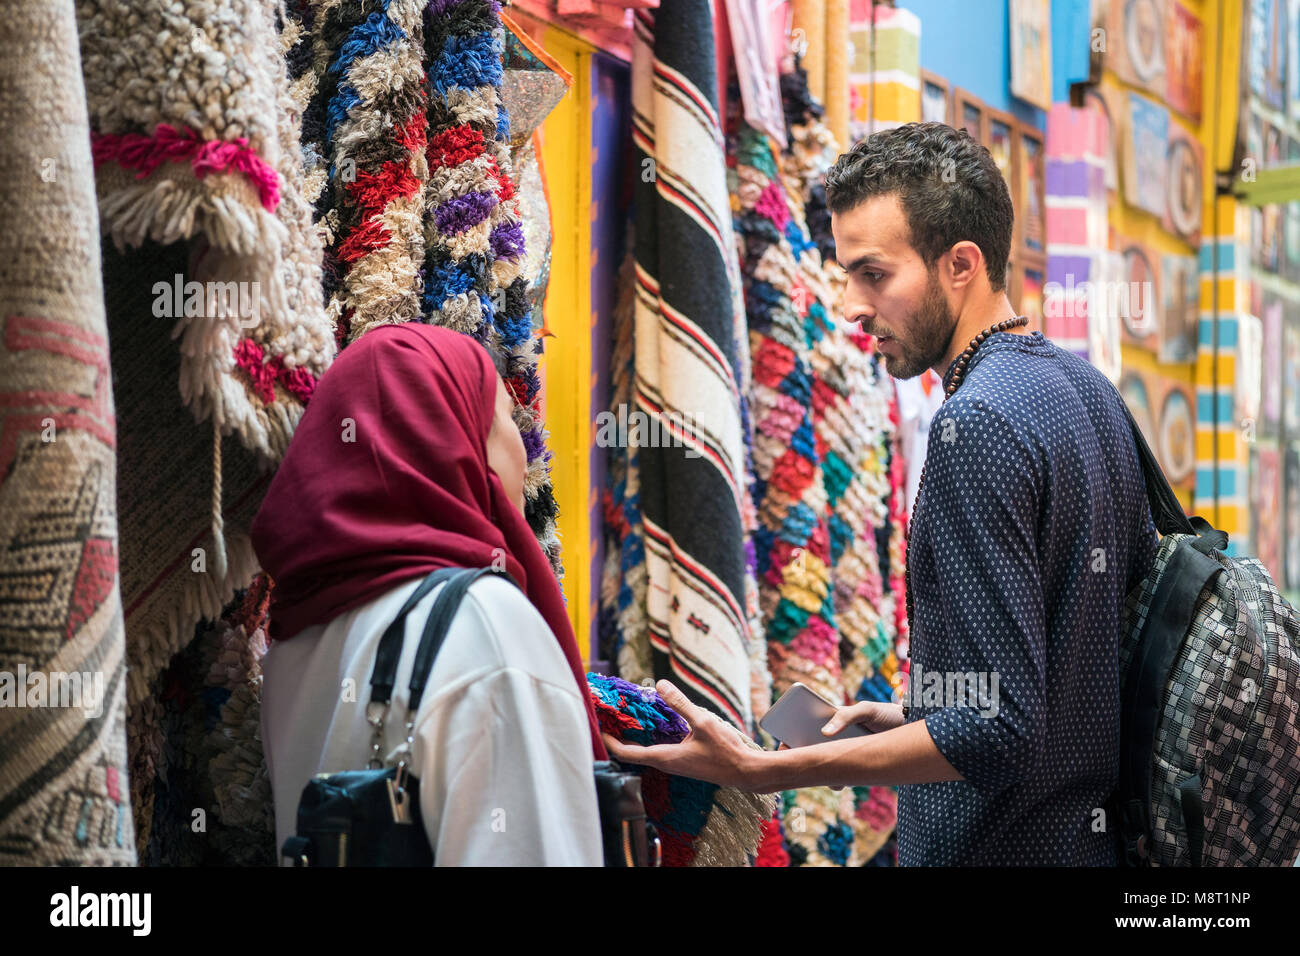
(1210, 694)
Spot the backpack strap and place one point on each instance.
(1166, 512)
(1173, 605)
(389, 652)
(1189, 794)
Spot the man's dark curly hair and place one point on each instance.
(949, 186)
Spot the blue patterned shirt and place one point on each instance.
(1031, 528)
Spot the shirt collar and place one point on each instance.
(1033, 337)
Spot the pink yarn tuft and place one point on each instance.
(169, 145)
(250, 357)
(772, 205)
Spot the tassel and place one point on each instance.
(219, 567)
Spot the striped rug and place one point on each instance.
(688, 373)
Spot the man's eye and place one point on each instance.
(873, 276)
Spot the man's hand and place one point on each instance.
(871, 714)
(713, 751)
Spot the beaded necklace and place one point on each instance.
(958, 374)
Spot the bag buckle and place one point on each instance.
(399, 796)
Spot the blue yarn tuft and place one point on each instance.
(375, 34)
(467, 62)
(340, 105)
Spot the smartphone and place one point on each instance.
(798, 717)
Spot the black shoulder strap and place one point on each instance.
(390, 645)
(1166, 512)
(437, 625)
(435, 631)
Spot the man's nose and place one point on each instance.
(858, 310)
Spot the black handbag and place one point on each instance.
(372, 817)
(628, 838)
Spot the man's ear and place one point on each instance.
(964, 262)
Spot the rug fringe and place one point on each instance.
(242, 244)
(204, 596)
(734, 828)
(167, 208)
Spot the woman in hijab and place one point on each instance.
(407, 460)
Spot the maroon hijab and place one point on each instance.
(387, 479)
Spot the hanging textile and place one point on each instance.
(201, 147)
(205, 203)
(826, 468)
(687, 483)
(532, 86)
(838, 50)
(211, 757)
(405, 175)
(63, 763)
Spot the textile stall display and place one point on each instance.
(63, 796)
(226, 195)
(349, 168)
(826, 467)
(823, 467)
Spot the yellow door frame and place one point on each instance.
(566, 371)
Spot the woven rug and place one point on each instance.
(211, 758)
(689, 487)
(63, 781)
(164, 502)
(202, 148)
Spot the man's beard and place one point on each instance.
(929, 332)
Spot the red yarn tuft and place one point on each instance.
(771, 848)
(505, 185)
(413, 135)
(454, 146)
(263, 375)
(374, 191)
(372, 235)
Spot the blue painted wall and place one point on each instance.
(968, 43)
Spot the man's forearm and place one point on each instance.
(903, 755)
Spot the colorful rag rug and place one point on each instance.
(63, 780)
(826, 468)
(684, 483)
(419, 212)
(700, 824)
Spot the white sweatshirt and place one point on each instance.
(502, 749)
